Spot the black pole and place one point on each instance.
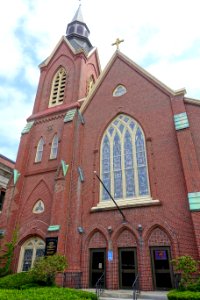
(119, 209)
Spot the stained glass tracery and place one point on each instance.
(123, 160)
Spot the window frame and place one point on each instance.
(34, 244)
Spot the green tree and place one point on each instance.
(187, 266)
(46, 268)
(7, 253)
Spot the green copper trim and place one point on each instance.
(194, 201)
(181, 121)
(64, 167)
(28, 127)
(70, 115)
(16, 175)
(54, 228)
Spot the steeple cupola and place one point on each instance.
(77, 33)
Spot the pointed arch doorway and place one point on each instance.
(97, 266)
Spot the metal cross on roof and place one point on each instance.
(117, 42)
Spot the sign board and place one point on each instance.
(110, 255)
(51, 246)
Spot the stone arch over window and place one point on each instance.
(30, 250)
(123, 162)
(54, 147)
(58, 87)
(38, 207)
(39, 151)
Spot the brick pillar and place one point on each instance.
(189, 163)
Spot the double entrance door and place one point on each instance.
(127, 266)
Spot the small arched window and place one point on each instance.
(123, 160)
(39, 151)
(58, 88)
(54, 147)
(30, 250)
(119, 91)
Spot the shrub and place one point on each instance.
(46, 293)
(46, 268)
(186, 295)
(187, 266)
(15, 281)
(195, 287)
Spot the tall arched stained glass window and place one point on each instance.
(106, 166)
(123, 160)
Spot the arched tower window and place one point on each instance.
(39, 152)
(58, 88)
(54, 147)
(30, 250)
(123, 160)
(90, 84)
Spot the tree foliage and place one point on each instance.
(7, 253)
(46, 268)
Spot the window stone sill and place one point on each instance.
(138, 202)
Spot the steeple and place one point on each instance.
(77, 33)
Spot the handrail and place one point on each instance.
(99, 285)
(135, 287)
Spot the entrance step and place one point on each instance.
(128, 294)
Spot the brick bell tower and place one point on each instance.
(39, 195)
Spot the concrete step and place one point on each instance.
(128, 294)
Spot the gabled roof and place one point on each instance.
(119, 55)
(65, 40)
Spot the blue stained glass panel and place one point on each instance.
(126, 119)
(128, 162)
(121, 127)
(111, 129)
(106, 167)
(132, 125)
(106, 181)
(117, 184)
(143, 183)
(130, 186)
(116, 146)
(28, 253)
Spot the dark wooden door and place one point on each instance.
(127, 267)
(161, 268)
(97, 265)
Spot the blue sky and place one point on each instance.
(161, 36)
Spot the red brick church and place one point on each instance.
(127, 129)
